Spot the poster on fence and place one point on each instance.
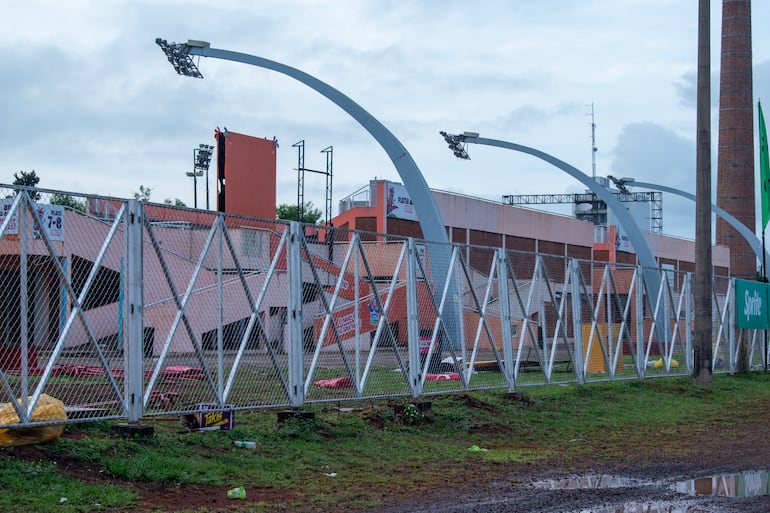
(49, 217)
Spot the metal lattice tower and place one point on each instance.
(654, 198)
(329, 151)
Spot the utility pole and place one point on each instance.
(703, 262)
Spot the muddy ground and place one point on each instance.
(739, 442)
(736, 445)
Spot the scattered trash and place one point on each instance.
(236, 493)
(62, 500)
(344, 382)
(448, 376)
(658, 364)
(245, 445)
(331, 474)
(476, 448)
(209, 417)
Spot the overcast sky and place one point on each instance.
(89, 102)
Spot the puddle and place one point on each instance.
(746, 484)
(647, 507)
(587, 482)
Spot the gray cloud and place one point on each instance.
(652, 153)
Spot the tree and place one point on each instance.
(143, 194)
(68, 201)
(27, 179)
(176, 202)
(311, 214)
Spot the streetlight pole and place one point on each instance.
(201, 162)
(644, 254)
(643, 251)
(195, 173)
(428, 214)
(431, 222)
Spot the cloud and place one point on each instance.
(91, 104)
(651, 153)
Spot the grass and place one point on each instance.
(38, 486)
(372, 448)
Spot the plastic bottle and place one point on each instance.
(245, 445)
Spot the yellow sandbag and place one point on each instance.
(47, 409)
(673, 364)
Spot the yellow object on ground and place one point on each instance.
(48, 409)
(659, 364)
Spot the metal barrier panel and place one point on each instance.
(123, 310)
(215, 311)
(62, 310)
(357, 337)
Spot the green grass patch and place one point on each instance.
(348, 455)
(38, 486)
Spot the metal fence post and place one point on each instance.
(412, 322)
(577, 326)
(295, 332)
(641, 358)
(134, 311)
(220, 221)
(505, 318)
(688, 316)
(26, 233)
(731, 329)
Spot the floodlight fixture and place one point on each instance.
(179, 57)
(203, 157)
(455, 143)
(620, 183)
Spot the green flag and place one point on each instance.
(764, 168)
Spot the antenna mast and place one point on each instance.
(594, 149)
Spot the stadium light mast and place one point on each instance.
(457, 145)
(430, 219)
(201, 161)
(428, 214)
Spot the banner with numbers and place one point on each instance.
(49, 217)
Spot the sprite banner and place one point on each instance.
(751, 305)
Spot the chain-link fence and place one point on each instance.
(124, 310)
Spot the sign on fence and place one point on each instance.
(49, 217)
(751, 305)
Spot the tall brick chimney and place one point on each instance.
(735, 160)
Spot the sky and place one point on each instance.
(89, 101)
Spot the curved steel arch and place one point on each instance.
(741, 228)
(428, 214)
(643, 252)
